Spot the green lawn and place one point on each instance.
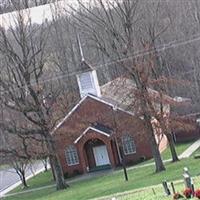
(42, 179)
(180, 148)
(197, 151)
(110, 184)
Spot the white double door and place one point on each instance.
(101, 155)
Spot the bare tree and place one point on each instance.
(14, 151)
(154, 30)
(18, 162)
(113, 26)
(23, 67)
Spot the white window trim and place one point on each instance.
(129, 153)
(72, 164)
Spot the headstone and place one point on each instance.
(186, 171)
(187, 181)
(187, 178)
(166, 188)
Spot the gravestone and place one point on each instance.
(187, 179)
(166, 188)
(186, 171)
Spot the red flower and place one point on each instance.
(187, 193)
(197, 193)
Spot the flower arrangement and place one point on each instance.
(197, 193)
(188, 193)
(177, 196)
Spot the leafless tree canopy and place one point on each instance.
(156, 43)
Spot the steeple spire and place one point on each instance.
(80, 48)
(84, 65)
(87, 79)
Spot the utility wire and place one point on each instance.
(160, 48)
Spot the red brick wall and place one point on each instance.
(91, 111)
(185, 136)
(186, 129)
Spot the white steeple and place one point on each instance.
(87, 80)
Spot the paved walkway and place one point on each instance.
(187, 153)
(190, 150)
(9, 180)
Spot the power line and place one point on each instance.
(160, 48)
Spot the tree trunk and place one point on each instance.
(147, 122)
(172, 147)
(52, 170)
(170, 139)
(23, 179)
(59, 177)
(154, 146)
(45, 167)
(45, 163)
(55, 163)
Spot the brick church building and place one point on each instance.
(101, 129)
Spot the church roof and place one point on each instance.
(122, 92)
(120, 95)
(96, 126)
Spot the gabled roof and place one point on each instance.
(94, 129)
(99, 99)
(122, 91)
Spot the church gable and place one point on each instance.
(87, 111)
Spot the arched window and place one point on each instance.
(71, 155)
(128, 145)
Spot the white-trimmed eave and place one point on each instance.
(90, 128)
(65, 118)
(80, 102)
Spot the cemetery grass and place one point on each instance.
(111, 183)
(157, 192)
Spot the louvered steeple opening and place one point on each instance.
(87, 80)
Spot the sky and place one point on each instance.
(40, 13)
